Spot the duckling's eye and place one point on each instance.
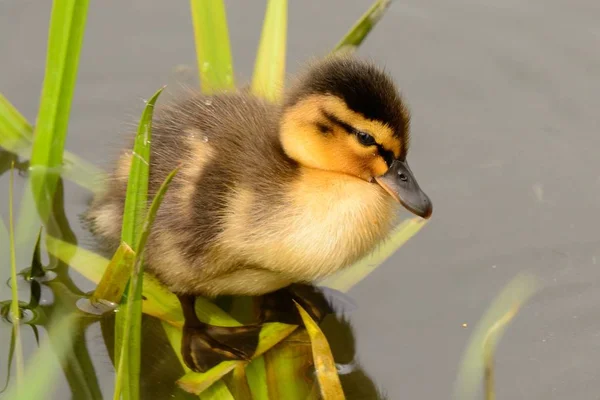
(365, 139)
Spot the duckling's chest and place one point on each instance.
(324, 222)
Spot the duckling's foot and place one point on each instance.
(204, 346)
(279, 306)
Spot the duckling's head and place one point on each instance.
(346, 115)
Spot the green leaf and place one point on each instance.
(4, 249)
(285, 363)
(126, 323)
(478, 357)
(238, 385)
(15, 309)
(11, 353)
(329, 381)
(257, 379)
(67, 24)
(115, 277)
(212, 45)
(137, 185)
(363, 26)
(351, 276)
(15, 131)
(269, 70)
(218, 391)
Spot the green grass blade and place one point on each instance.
(129, 362)
(363, 26)
(4, 249)
(41, 368)
(114, 280)
(478, 357)
(16, 136)
(212, 45)
(127, 379)
(269, 70)
(237, 383)
(290, 360)
(351, 276)
(81, 172)
(65, 36)
(11, 353)
(219, 391)
(257, 379)
(329, 381)
(137, 186)
(15, 310)
(15, 131)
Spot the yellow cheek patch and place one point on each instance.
(383, 134)
(336, 149)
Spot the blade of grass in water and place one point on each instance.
(349, 277)
(478, 356)
(67, 24)
(127, 379)
(269, 70)
(37, 269)
(4, 249)
(15, 131)
(329, 381)
(15, 310)
(115, 277)
(11, 353)
(137, 186)
(290, 359)
(237, 383)
(41, 373)
(218, 391)
(212, 45)
(363, 26)
(257, 379)
(129, 361)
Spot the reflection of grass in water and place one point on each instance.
(291, 352)
(478, 361)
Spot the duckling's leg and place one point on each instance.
(203, 346)
(279, 306)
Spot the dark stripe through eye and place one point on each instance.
(388, 156)
(363, 137)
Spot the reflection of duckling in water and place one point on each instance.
(269, 195)
(161, 368)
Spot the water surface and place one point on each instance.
(504, 98)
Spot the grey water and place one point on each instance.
(504, 98)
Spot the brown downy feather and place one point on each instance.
(241, 216)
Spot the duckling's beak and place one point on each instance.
(401, 184)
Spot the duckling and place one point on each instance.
(269, 194)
